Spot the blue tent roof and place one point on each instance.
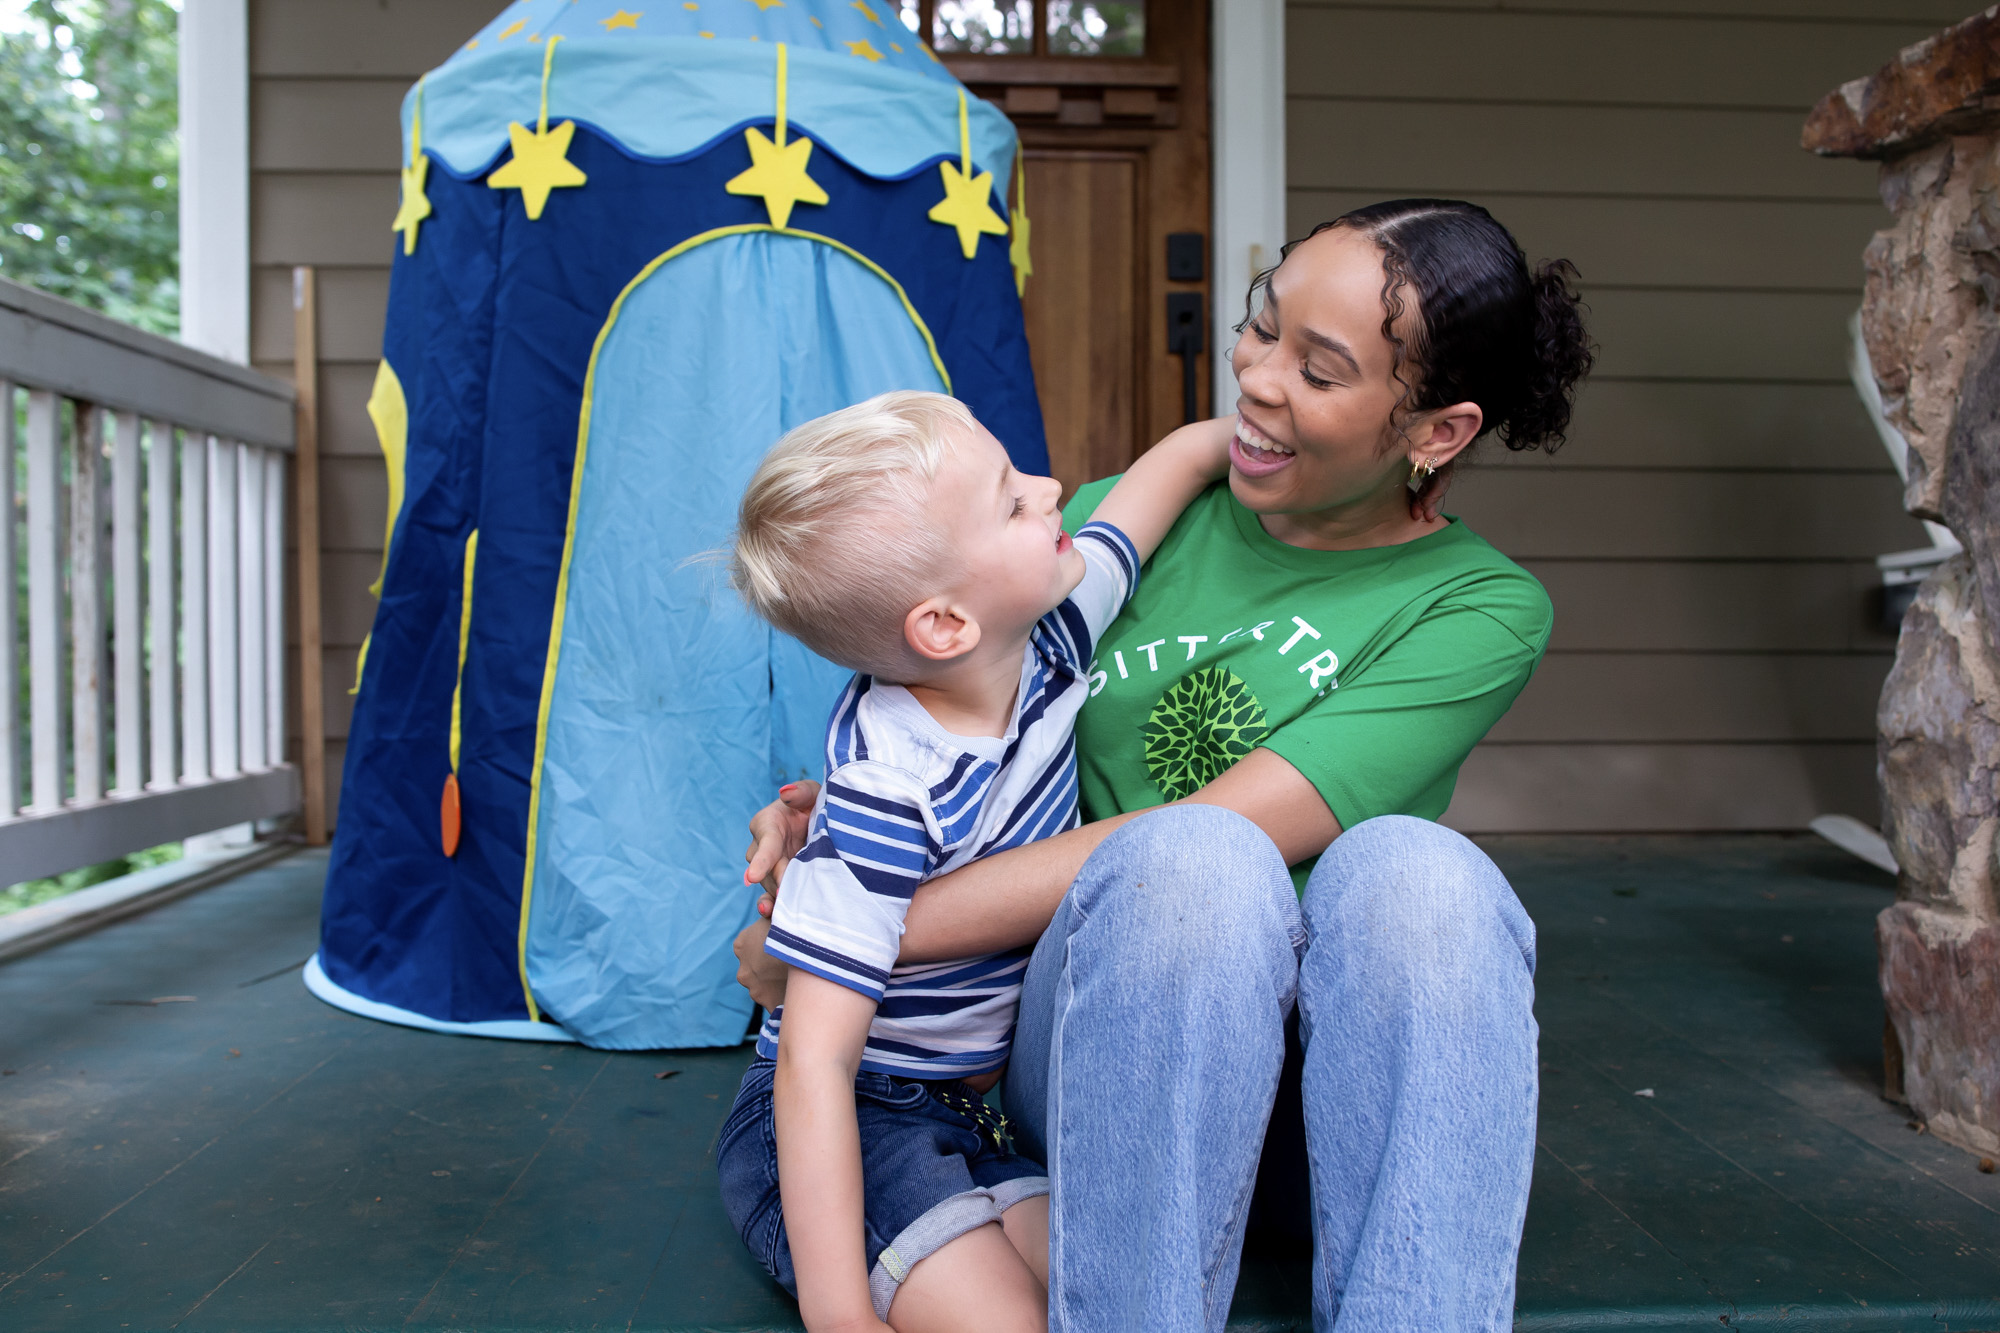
(684, 75)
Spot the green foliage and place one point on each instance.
(89, 156)
(31, 892)
(1203, 724)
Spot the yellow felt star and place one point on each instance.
(624, 18)
(415, 205)
(865, 49)
(866, 12)
(778, 169)
(966, 196)
(778, 173)
(540, 164)
(965, 207)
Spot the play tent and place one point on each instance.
(634, 247)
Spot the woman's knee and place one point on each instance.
(1401, 885)
(1198, 874)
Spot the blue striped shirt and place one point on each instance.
(905, 800)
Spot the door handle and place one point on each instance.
(1185, 319)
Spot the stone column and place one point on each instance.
(1931, 117)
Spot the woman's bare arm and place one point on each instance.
(1006, 901)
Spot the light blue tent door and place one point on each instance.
(672, 712)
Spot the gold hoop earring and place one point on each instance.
(1421, 470)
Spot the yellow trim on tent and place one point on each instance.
(390, 412)
(464, 632)
(575, 497)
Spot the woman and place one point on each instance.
(1310, 657)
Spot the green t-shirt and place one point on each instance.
(1373, 672)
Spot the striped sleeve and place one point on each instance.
(1111, 576)
(872, 840)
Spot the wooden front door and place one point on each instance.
(1111, 101)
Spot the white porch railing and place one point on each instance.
(152, 536)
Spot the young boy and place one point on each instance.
(859, 1162)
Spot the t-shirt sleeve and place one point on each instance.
(871, 841)
(1390, 740)
(1111, 576)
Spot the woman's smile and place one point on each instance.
(1256, 454)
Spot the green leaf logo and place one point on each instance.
(1203, 724)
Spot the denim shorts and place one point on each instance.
(929, 1174)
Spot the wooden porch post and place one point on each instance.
(312, 701)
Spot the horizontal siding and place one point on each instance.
(1660, 788)
(1594, 59)
(1638, 515)
(323, 218)
(352, 302)
(1683, 334)
(1427, 145)
(1789, 244)
(293, 116)
(344, 386)
(1707, 534)
(1595, 698)
(1722, 606)
(319, 39)
(1709, 426)
(1722, 14)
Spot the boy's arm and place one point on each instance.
(1165, 479)
(819, 1151)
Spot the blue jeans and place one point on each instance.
(1151, 1040)
(930, 1172)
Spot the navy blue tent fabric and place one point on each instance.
(490, 329)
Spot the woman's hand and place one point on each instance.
(756, 971)
(777, 834)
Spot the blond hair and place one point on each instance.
(833, 544)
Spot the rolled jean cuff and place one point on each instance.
(939, 1227)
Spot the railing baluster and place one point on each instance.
(10, 614)
(225, 759)
(250, 605)
(45, 665)
(274, 607)
(128, 718)
(194, 606)
(143, 537)
(86, 604)
(160, 597)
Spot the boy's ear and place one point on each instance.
(939, 630)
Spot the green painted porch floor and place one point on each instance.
(253, 1160)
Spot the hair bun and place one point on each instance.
(1561, 355)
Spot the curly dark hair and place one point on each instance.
(1487, 329)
